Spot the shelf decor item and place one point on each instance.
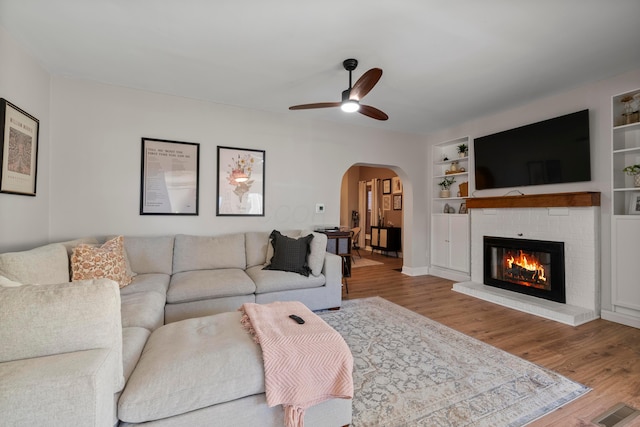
(18, 150)
(464, 189)
(630, 109)
(634, 171)
(634, 204)
(463, 150)
(445, 186)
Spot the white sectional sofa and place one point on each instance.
(69, 350)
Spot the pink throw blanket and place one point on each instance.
(303, 364)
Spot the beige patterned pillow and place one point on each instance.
(91, 262)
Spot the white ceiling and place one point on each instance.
(444, 62)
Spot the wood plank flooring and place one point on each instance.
(600, 354)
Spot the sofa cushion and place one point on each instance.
(274, 281)
(96, 262)
(86, 314)
(290, 254)
(143, 309)
(169, 378)
(256, 243)
(294, 234)
(209, 252)
(155, 282)
(45, 265)
(7, 283)
(204, 307)
(205, 284)
(67, 389)
(318, 249)
(133, 341)
(71, 244)
(150, 254)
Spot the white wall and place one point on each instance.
(597, 98)
(24, 220)
(95, 163)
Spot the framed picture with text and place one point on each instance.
(240, 182)
(386, 186)
(18, 150)
(397, 202)
(169, 178)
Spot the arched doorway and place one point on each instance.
(371, 195)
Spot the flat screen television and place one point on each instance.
(552, 151)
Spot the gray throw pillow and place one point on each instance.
(290, 254)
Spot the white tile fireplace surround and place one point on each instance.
(576, 226)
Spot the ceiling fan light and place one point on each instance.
(350, 106)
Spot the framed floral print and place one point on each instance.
(240, 182)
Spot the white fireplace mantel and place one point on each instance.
(572, 218)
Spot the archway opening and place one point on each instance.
(371, 197)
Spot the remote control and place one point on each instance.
(298, 319)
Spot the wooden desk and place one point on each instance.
(339, 243)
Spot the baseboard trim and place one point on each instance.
(415, 271)
(456, 276)
(623, 319)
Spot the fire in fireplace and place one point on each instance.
(531, 267)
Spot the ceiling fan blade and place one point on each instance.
(316, 105)
(365, 84)
(372, 112)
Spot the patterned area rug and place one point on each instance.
(363, 262)
(412, 371)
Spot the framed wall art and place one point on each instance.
(386, 203)
(386, 186)
(18, 150)
(170, 177)
(240, 182)
(397, 202)
(396, 185)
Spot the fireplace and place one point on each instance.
(531, 267)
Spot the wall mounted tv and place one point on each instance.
(549, 152)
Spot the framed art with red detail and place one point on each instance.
(240, 182)
(18, 150)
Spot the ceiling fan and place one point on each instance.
(351, 97)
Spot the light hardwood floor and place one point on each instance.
(600, 354)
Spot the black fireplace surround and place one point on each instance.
(531, 267)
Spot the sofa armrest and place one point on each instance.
(71, 389)
(332, 270)
(44, 320)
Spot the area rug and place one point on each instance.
(412, 371)
(364, 262)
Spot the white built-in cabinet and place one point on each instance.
(625, 227)
(450, 242)
(450, 232)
